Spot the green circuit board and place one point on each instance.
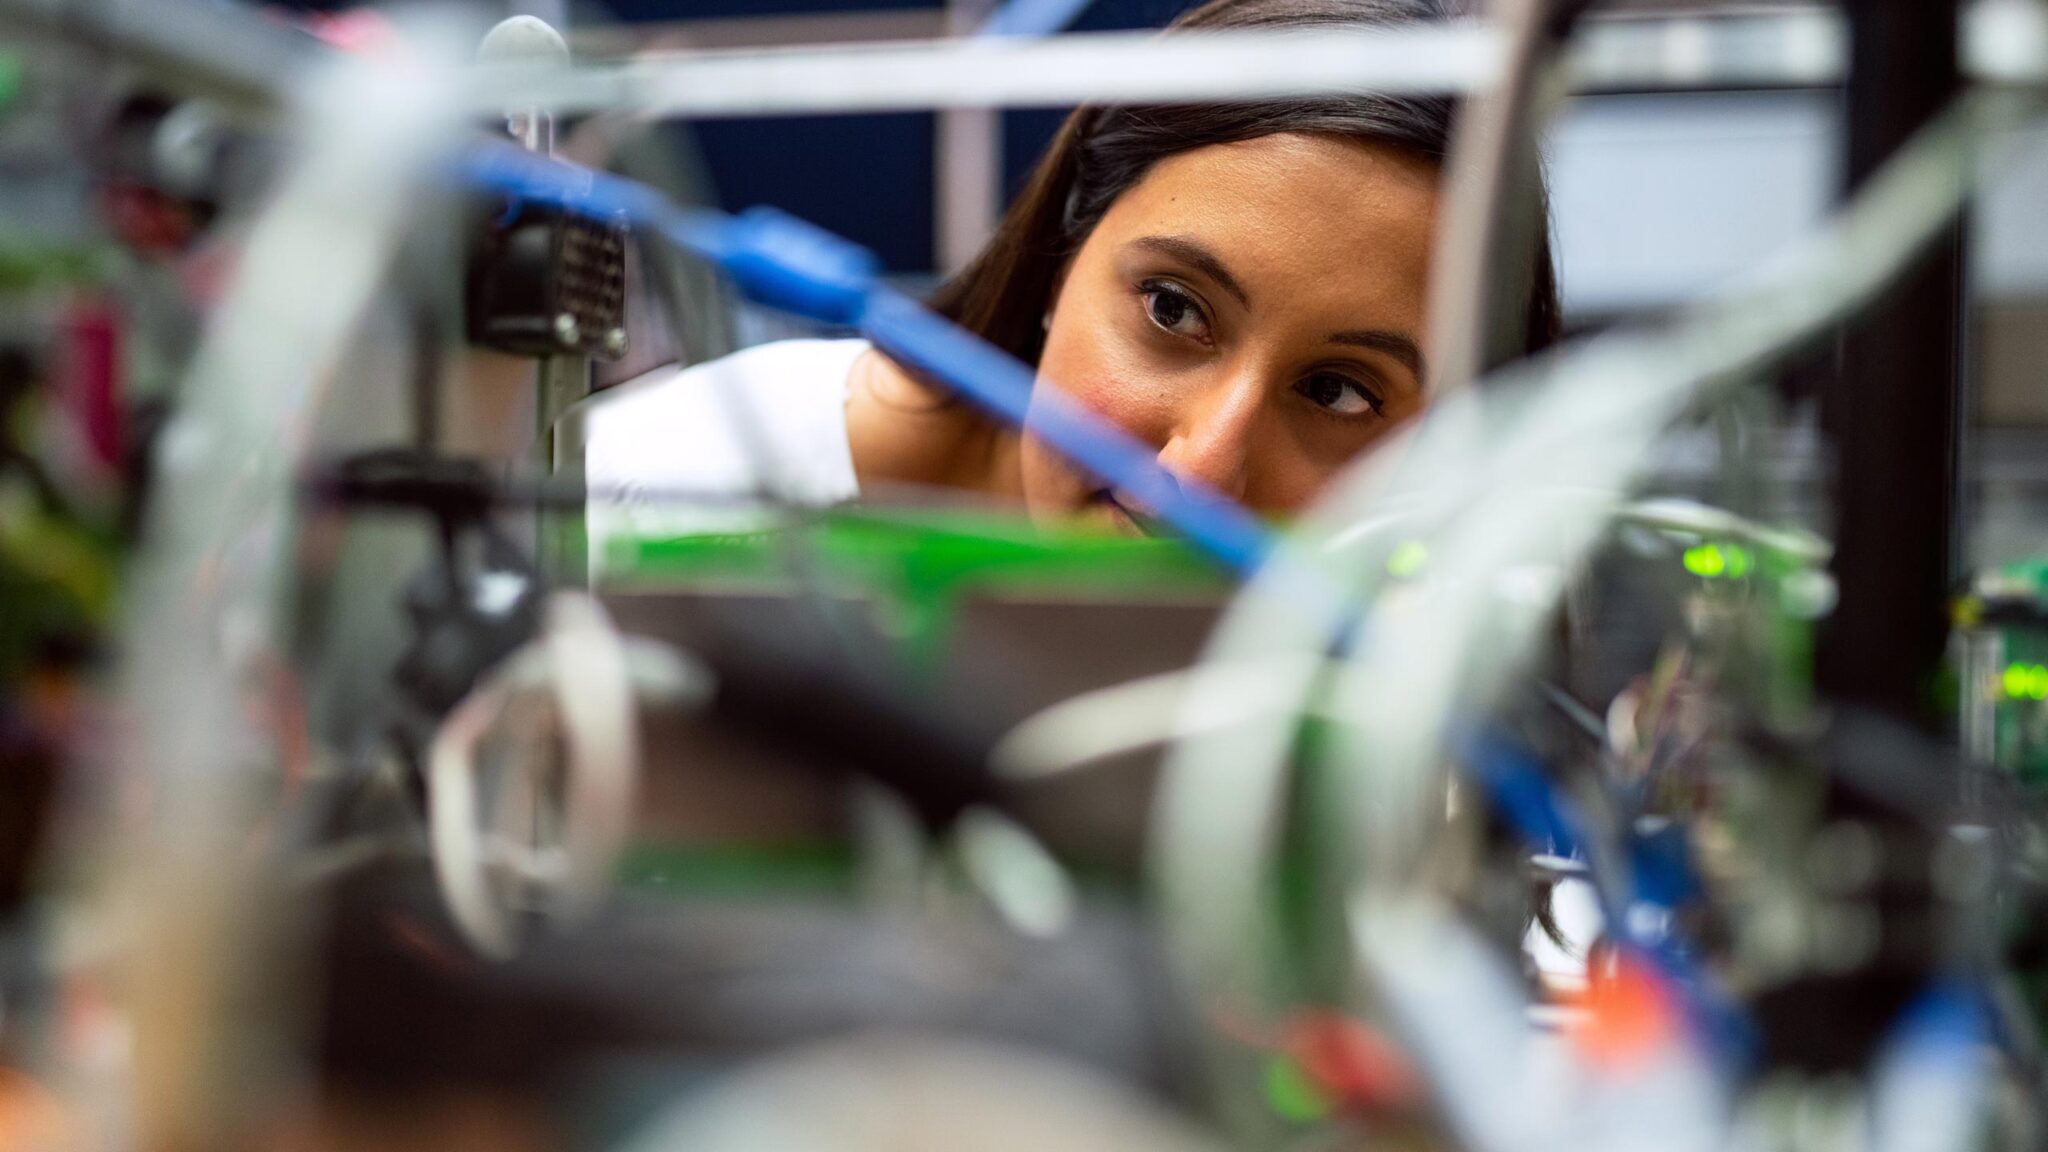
(2002, 654)
(918, 564)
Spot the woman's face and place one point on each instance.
(1255, 311)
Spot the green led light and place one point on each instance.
(2026, 682)
(1705, 561)
(1290, 1094)
(1713, 562)
(1408, 559)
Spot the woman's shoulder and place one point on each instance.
(812, 365)
(908, 431)
(772, 414)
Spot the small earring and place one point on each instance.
(1045, 322)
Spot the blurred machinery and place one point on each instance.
(1507, 801)
(2001, 631)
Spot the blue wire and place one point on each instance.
(787, 263)
(1951, 1016)
(1525, 796)
(1002, 387)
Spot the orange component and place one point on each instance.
(1631, 1013)
(31, 1117)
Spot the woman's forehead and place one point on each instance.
(1294, 214)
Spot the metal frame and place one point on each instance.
(254, 61)
(1893, 409)
(1787, 49)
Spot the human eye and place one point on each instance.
(1341, 395)
(1174, 310)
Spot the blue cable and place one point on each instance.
(778, 260)
(1002, 387)
(1952, 1015)
(1527, 799)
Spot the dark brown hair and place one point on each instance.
(1100, 153)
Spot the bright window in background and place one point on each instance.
(1658, 198)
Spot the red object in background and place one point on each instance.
(1351, 1064)
(88, 379)
(357, 30)
(147, 221)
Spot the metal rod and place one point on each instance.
(1490, 238)
(990, 72)
(2008, 44)
(1893, 409)
(783, 29)
(967, 191)
(247, 62)
(252, 62)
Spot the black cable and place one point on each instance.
(1568, 706)
(788, 680)
(426, 378)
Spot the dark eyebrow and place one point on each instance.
(1196, 256)
(1392, 343)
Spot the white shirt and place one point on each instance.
(767, 421)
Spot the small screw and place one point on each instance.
(615, 342)
(566, 329)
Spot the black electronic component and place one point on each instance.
(543, 282)
(476, 603)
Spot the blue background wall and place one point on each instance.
(866, 177)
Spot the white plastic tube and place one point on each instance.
(1513, 462)
(486, 874)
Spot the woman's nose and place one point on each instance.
(1211, 438)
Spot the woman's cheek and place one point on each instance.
(1299, 468)
(1084, 367)
(1114, 374)
(1055, 491)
